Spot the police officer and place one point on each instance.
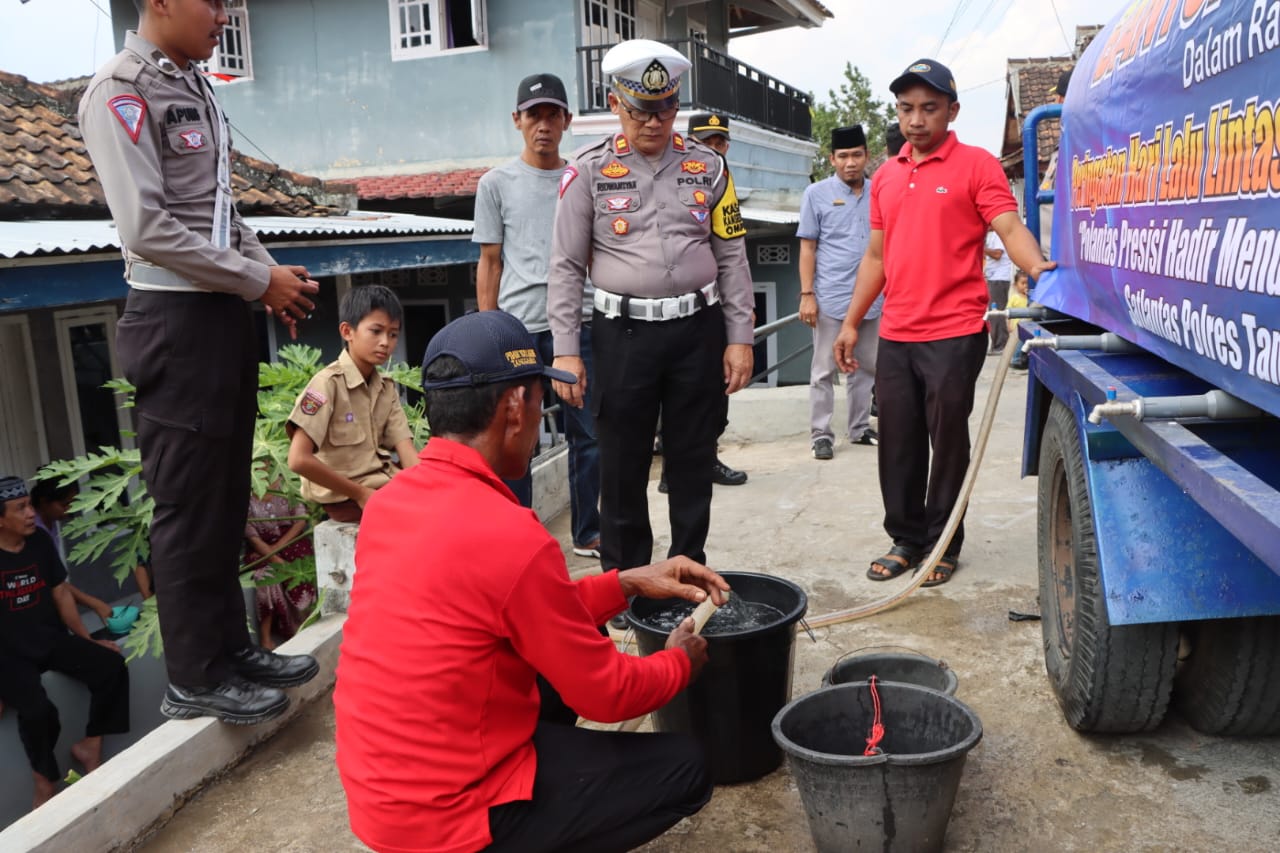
(162, 151)
(656, 217)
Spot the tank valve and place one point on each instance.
(1215, 404)
(1105, 342)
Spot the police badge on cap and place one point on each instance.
(646, 74)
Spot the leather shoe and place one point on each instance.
(723, 475)
(260, 666)
(234, 701)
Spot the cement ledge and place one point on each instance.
(128, 795)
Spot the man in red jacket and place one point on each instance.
(461, 600)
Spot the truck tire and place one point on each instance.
(1230, 683)
(1107, 678)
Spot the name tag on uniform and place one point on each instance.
(837, 201)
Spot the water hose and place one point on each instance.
(957, 512)
(701, 614)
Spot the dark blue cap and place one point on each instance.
(929, 72)
(493, 346)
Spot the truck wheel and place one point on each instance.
(1107, 678)
(1230, 684)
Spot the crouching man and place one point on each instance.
(461, 600)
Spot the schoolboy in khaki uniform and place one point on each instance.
(347, 422)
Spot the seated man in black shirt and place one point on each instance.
(36, 613)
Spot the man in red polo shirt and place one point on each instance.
(930, 208)
(461, 599)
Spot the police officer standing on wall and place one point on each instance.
(657, 219)
(162, 150)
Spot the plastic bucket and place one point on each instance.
(746, 681)
(899, 667)
(900, 800)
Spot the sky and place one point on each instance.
(54, 39)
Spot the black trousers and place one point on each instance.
(193, 359)
(641, 367)
(598, 792)
(925, 395)
(100, 669)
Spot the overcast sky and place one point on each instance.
(54, 39)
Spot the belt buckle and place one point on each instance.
(670, 308)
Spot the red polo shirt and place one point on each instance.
(934, 215)
(460, 597)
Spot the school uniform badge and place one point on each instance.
(311, 402)
(693, 167)
(130, 111)
(567, 178)
(620, 226)
(192, 139)
(615, 170)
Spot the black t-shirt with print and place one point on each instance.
(29, 621)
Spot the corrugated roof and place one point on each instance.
(771, 215)
(70, 237)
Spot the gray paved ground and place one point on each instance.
(1032, 784)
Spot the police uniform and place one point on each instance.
(354, 424)
(667, 259)
(186, 340)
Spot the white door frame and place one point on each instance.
(37, 411)
(64, 321)
(770, 291)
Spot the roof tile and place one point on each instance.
(460, 183)
(45, 169)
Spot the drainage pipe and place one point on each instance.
(1215, 404)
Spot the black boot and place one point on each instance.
(234, 701)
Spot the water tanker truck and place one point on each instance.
(1155, 373)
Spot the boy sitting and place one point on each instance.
(348, 420)
(36, 613)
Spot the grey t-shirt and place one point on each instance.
(516, 206)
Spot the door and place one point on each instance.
(422, 319)
(766, 351)
(87, 357)
(22, 441)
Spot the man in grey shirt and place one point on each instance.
(515, 209)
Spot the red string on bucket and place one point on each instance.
(877, 726)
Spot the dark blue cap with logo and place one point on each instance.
(929, 72)
(493, 346)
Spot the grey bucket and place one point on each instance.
(900, 667)
(898, 801)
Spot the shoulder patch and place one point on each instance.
(130, 111)
(129, 68)
(621, 145)
(311, 402)
(567, 178)
(726, 218)
(677, 142)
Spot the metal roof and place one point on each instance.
(66, 236)
(772, 215)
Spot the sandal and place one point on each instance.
(946, 568)
(893, 567)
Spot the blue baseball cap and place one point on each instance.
(493, 346)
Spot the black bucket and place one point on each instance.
(746, 681)
(900, 667)
(899, 800)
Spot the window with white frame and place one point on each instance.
(231, 58)
(430, 27)
(608, 21)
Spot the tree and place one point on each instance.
(853, 103)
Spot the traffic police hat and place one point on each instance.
(493, 346)
(929, 72)
(706, 125)
(646, 74)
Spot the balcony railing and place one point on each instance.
(717, 83)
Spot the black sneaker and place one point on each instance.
(271, 670)
(870, 438)
(822, 449)
(723, 475)
(234, 701)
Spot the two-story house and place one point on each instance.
(411, 100)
